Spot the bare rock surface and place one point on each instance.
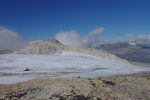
(127, 87)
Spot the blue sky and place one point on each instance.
(34, 19)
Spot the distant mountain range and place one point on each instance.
(132, 51)
(5, 51)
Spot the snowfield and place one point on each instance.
(65, 65)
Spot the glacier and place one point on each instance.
(12, 66)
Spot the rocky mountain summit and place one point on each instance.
(42, 47)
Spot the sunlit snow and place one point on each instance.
(12, 66)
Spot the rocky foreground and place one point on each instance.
(128, 87)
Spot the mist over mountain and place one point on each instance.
(73, 38)
(10, 40)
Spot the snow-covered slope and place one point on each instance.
(69, 64)
(52, 47)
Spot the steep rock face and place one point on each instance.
(42, 47)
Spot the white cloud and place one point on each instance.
(10, 40)
(72, 38)
(96, 31)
